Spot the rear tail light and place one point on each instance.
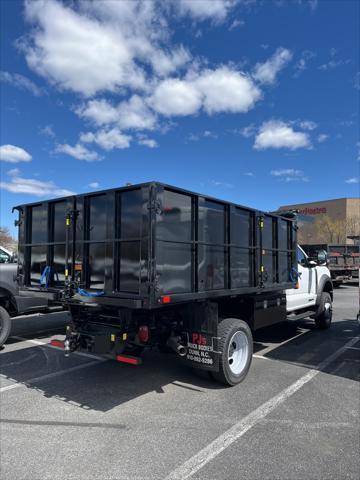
(144, 334)
(128, 359)
(57, 343)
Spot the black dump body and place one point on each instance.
(147, 245)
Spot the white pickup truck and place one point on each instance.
(314, 295)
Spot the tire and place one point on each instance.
(324, 316)
(236, 345)
(5, 326)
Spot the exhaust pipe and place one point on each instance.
(174, 343)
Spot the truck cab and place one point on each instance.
(314, 290)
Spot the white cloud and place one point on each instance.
(78, 151)
(248, 131)
(220, 90)
(216, 10)
(289, 175)
(210, 134)
(302, 64)
(165, 63)
(148, 142)
(194, 137)
(13, 154)
(334, 62)
(31, 186)
(100, 112)
(353, 180)
(278, 134)
(249, 174)
(267, 72)
(227, 90)
(94, 185)
(126, 48)
(322, 137)
(21, 82)
(176, 97)
(88, 47)
(236, 23)
(47, 131)
(107, 139)
(135, 114)
(308, 125)
(14, 172)
(77, 52)
(130, 114)
(216, 183)
(313, 4)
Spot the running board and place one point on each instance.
(300, 316)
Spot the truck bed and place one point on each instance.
(150, 245)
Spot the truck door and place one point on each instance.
(305, 295)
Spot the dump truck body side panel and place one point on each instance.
(148, 245)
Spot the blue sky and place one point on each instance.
(252, 101)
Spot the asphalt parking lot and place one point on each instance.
(296, 416)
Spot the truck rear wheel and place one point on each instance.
(236, 345)
(324, 315)
(5, 326)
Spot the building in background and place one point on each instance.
(328, 221)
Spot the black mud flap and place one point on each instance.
(202, 337)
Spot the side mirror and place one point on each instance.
(322, 257)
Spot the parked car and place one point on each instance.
(12, 301)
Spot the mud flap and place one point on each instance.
(202, 336)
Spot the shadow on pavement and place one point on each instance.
(313, 346)
(102, 386)
(108, 384)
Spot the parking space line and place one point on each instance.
(49, 375)
(213, 449)
(45, 344)
(277, 345)
(255, 355)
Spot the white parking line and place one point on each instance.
(204, 456)
(46, 344)
(48, 376)
(255, 355)
(268, 349)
